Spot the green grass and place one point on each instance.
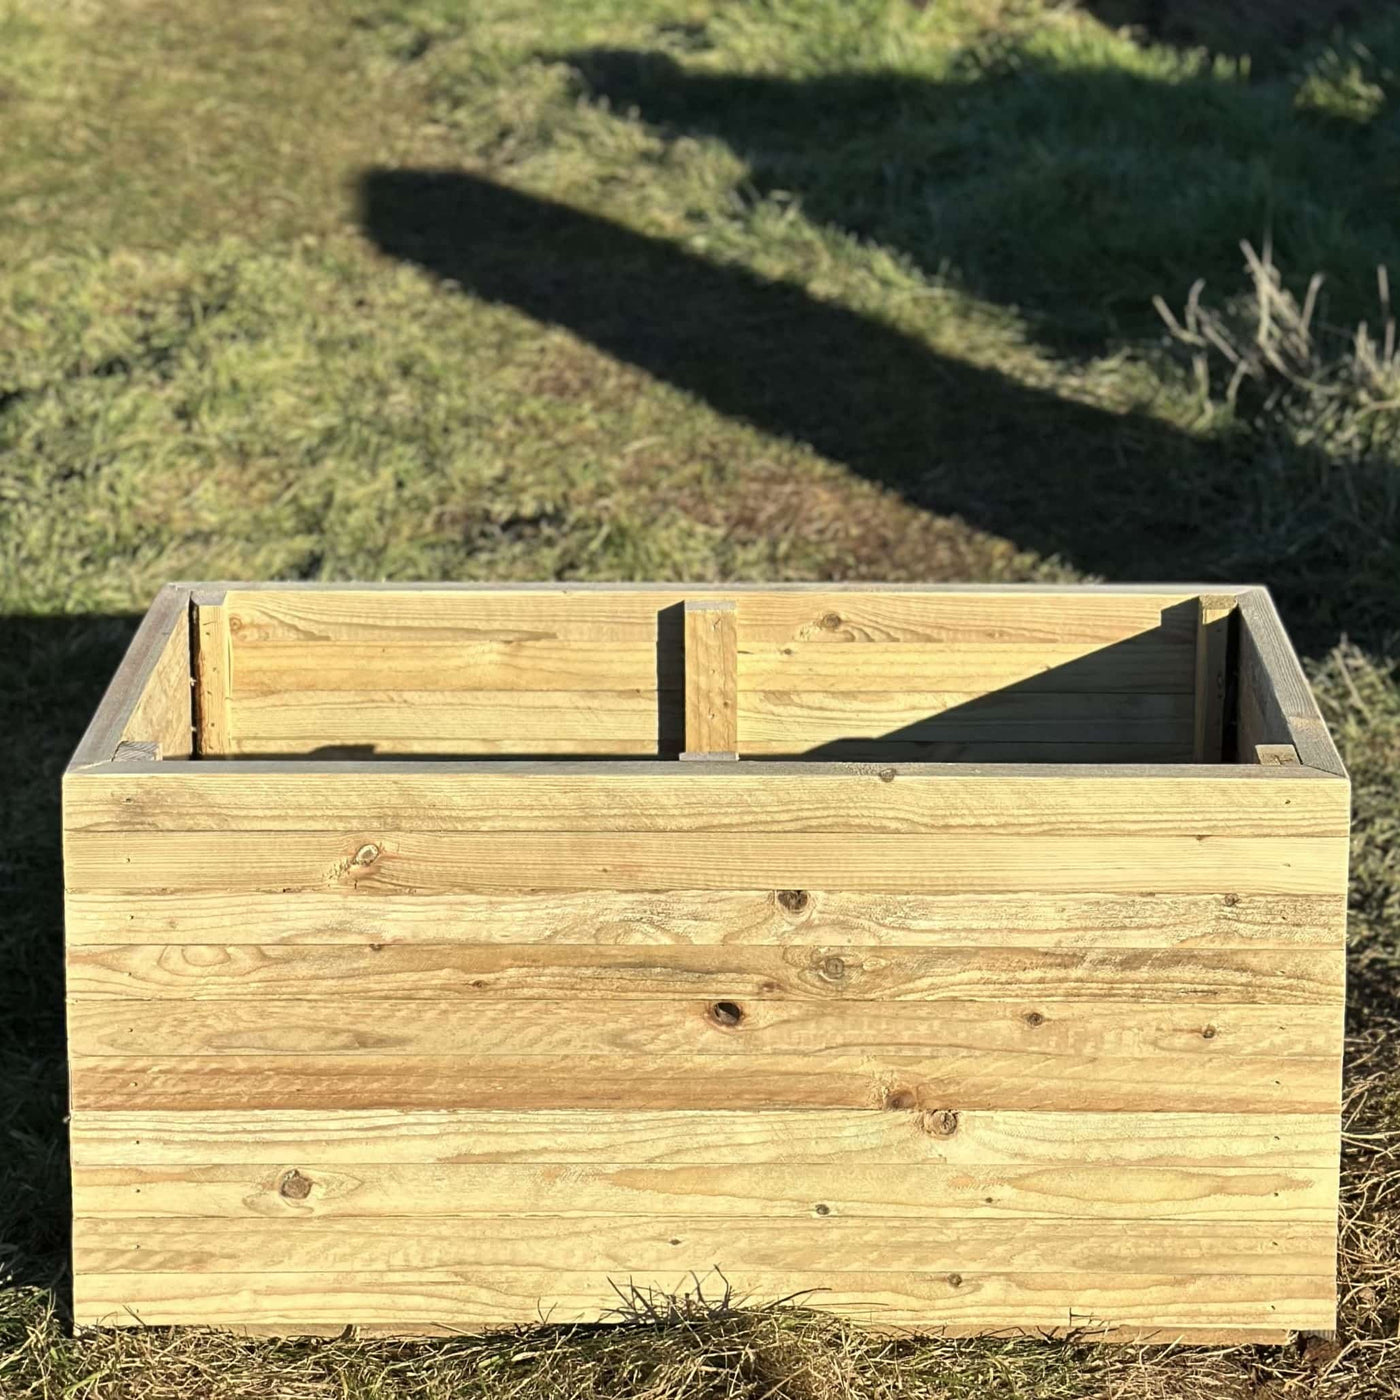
(780, 289)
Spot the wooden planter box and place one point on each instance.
(413, 982)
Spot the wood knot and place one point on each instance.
(1208, 1032)
(794, 901)
(887, 775)
(901, 1098)
(831, 622)
(366, 855)
(1230, 900)
(294, 1186)
(955, 1280)
(832, 968)
(941, 1122)
(726, 1013)
(1033, 1019)
(822, 1209)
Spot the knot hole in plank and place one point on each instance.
(794, 901)
(726, 1013)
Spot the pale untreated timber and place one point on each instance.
(446, 719)
(925, 1192)
(984, 1043)
(213, 675)
(845, 978)
(149, 696)
(766, 614)
(711, 680)
(1212, 657)
(531, 1296)
(1148, 663)
(960, 1079)
(373, 861)
(1276, 704)
(527, 663)
(888, 1137)
(713, 917)
(802, 718)
(485, 1027)
(1220, 801)
(825, 1246)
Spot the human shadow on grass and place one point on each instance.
(1071, 190)
(1116, 494)
(1263, 29)
(53, 671)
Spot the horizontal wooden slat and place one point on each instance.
(531, 1296)
(542, 663)
(807, 718)
(884, 750)
(890, 1137)
(765, 615)
(849, 978)
(963, 1079)
(446, 718)
(1145, 664)
(415, 862)
(1228, 801)
(826, 1247)
(483, 1026)
(711, 917)
(925, 1192)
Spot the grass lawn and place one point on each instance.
(654, 289)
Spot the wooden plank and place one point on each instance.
(707, 918)
(137, 751)
(528, 663)
(526, 1296)
(1277, 756)
(1009, 752)
(1220, 801)
(449, 720)
(825, 1246)
(767, 613)
(379, 862)
(930, 1191)
(1143, 664)
(961, 1079)
(141, 694)
(853, 981)
(213, 675)
(639, 1029)
(711, 680)
(1212, 657)
(1276, 704)
(440, 750)
(804, 719)
(873, 1137)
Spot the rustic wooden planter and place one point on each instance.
(414, 983)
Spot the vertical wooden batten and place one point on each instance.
(711, 680)
(211, 666)
(1212, 670)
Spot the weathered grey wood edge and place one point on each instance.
(711, 588)
(943, 772)
(133, 675)
(1265, 644)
